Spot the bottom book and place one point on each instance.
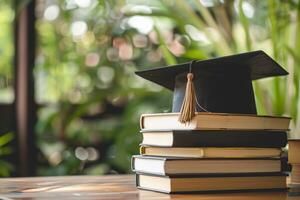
(181, 184)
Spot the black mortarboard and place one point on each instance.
(221, 84)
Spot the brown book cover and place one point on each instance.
(194, 184)
(210, 152)
(214, 121)
(186, 166)
(293, 152)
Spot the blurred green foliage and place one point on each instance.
(85, 67)
(88, 50)
(6, 74)
(6, 51)
(6, 168)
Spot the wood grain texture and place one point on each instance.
(109, 188)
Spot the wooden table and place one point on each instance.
(109, 187)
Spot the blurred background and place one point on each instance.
(69, 100)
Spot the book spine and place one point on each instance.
(142, 150)
(132, 164)
(142, 122)
(137, 182)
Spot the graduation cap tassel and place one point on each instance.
(188, 108)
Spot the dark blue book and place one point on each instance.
(214, 138)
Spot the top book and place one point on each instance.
(214, 121)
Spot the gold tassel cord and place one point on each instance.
(187, 111)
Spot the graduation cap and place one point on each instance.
(221, 84)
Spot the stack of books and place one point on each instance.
(294, 160)
(213, 152)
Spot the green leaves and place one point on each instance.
(169, 58)
(99, 104)
(5, 149)
(245, 23)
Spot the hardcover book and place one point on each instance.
(173, 166)
(167, 184)
(214, 121)
(293, 153)
(295, 173)
(213, 138)
(211, 152)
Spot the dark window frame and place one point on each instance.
(24, 103)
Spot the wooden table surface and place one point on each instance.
(109, 187)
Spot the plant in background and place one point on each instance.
(88, 52)
(5, 150)
(6, 52)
